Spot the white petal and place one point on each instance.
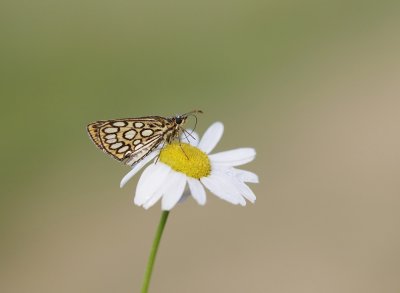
(197, 190)
(245, 176)
(140, 186)
(229, 184)
(152, 200)
(242, 175)
(211, 137)
(245, 190)
(151, 180)
(174, 191)
(190, 137)
(136, 168)
(216, 186)
(184, 196)
(169, 180)
(234, 157)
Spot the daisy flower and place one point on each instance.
(178, 165)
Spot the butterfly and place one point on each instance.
(132, 139)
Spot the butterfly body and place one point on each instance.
(132, 139)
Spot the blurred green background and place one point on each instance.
(314, 86)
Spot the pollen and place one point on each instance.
(187, 159)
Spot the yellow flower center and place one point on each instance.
(186, 159)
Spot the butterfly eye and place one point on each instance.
(178, 120)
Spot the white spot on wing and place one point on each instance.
(130, 134)
(146, 132)
(111, 130)
(110, 136)
(119, 124)
(111, 140)
(138, 124)
(123, 149)
(116, 145)
(136, 141)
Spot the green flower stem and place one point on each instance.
(153, 253)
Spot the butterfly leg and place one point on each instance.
(182, 148)
(158, 156)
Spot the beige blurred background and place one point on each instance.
(314, 86)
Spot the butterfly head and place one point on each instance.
(181, 119)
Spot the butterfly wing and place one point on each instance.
(129, 140)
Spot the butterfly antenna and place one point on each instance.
(192, 113)
(195, 122)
